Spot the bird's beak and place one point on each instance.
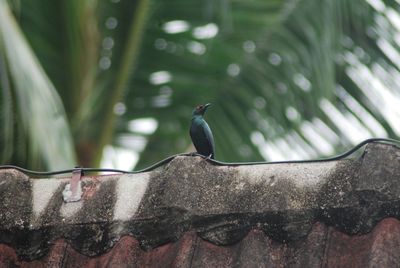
(206, 106)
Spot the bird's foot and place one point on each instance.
(200, 155)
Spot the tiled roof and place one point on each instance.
(192, 213)
(323, 247)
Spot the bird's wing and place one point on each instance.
(209, 137)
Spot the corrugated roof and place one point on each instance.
(323, 247)
(190, 213)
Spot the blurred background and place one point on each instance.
(112, 83)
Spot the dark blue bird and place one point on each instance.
(200, 132)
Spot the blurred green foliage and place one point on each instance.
(287, 79)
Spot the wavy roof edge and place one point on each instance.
(220, 203)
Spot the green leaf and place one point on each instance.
(40, 115)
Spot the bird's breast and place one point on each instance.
(197, 125)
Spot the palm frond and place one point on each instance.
(282, 74)
(40, 115)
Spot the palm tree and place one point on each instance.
(287, 79)
(70, 42)
(284, 77)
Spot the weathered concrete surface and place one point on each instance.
(323, 247)
(220, 203)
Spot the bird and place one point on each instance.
(200, 132)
